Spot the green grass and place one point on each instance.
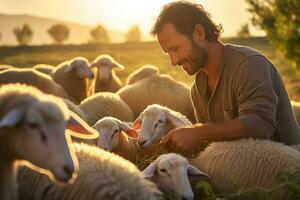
(134, 55)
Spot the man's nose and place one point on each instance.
(174, 60)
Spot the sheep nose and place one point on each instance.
(141, 143)
(69, 170)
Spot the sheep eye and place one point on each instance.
(115, 132)
(163, 170)
(158, 122)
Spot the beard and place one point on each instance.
(197, 59)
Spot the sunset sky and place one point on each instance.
(121, 14)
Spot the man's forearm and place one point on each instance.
(231, 130)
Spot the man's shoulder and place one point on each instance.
(242, 51)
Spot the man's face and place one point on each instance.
(181, 50)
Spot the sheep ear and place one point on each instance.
(10, 119)
(193, 172)
(138, 122)
(118, 65)
(69, 68)
(92, 65)
(128, 130)
(149, 171)
(80, 129)
(174, 119)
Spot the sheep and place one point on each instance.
(32, 126)
(155, 122)
(72, 75)
(5, 67)
(117, 137)
(34, 78)
(44, 68)
(104, 104)
(251, 163)
(141, 73)
(106, 80)
(159, 89)
(170, 173)
(102, 175)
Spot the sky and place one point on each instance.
(122, 14)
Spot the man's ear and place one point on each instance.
(199, 34)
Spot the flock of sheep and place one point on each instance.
(74, 131)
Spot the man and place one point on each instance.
(237, 92)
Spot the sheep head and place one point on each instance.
(110, 130)
(171, 172)
(34, 127)
(155, 122)
(80, 66)
(105, 64)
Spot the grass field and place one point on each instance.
(134, 55)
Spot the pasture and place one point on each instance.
(134, 55)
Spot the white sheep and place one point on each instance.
(72, 75)
(158, 89)
(141, 73)
(104, 104)
(102, 175)
(44, 68)
(155, 122)
(170, 172)
(34, 78)
(117, 137)
(32, 128)
(247, 163)
(106, 80)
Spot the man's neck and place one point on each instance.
(214, 53)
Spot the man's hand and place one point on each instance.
(185, 139)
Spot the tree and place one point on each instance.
(244, 31)
(134, 34)
(280, 19)
(23, 34)
(99, 34)
(59, 33)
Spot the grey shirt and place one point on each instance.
(249, 88)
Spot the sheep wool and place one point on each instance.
(102, 175)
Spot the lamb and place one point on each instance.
(72, 76)
(34, 78)
(251, 163)
(170, 173)
(44, 68)
(104, 104)
(141, 73)
(155, 122)
(158, 89)
(106, 79)
(32, 126)
(117, 137)
(102, 175)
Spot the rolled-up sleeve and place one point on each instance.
(256, 97)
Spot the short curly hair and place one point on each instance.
(184, 16)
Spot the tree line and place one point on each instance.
(60, 33)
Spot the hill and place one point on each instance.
(79, 33)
